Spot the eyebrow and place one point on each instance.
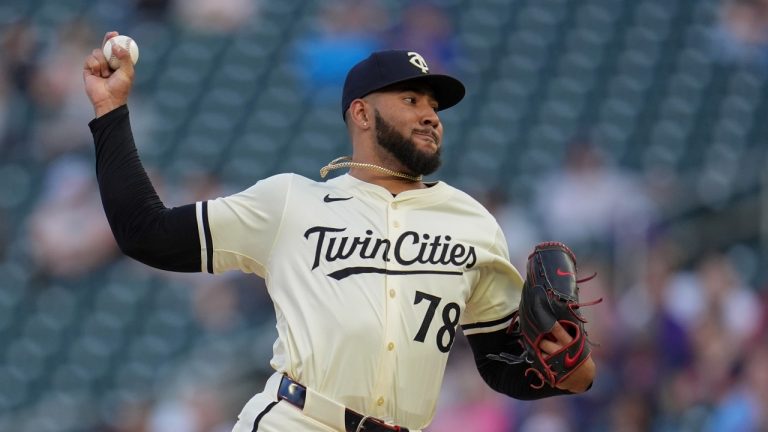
(412, 88)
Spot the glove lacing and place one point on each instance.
(515, 331)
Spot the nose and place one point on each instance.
(430, 118)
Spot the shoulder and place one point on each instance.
(283, 181)
(273, 188)
(289, 187)
(466, 202)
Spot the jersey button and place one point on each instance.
(394, 205)
(396, 224)
(392, 293)
(391, 346)
(380, 402)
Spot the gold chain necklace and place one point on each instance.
(346, 162)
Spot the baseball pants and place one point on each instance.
(265, 413)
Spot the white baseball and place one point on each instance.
(126, 43)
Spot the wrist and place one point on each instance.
(581, 378)
(103, 108)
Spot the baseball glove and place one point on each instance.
(550, 295)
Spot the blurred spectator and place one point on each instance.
(19, 45)
(714, 359)
(220, 16)
(654, 345)
(741, 36)
(630, 412)
(346, 31)
(5, 111)
(742, 409)
(132, 416)
(69, 234)
(228, 303)
(680, 404)
(60, 103)
(650, 308)
(603, 326)
(549, 415)
(216, 305)
(198, 410)
(520, 231)
(466, 403)
(428, 30)
(590, 202)
(151, 10)
(199, 186)
(729, 300)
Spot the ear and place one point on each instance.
(358, 114)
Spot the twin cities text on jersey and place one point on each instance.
(433, 254)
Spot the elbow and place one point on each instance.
(129, 248)
(511, 386)
(521, 392)
(162, 238)
(143, 255)
(132, 245)
(137, 239)
(513, 381)
(161, 254)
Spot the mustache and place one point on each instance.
(428, 132)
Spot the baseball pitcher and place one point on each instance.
(371, 273)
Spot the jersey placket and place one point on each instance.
(384, 383)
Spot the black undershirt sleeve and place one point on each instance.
(144, 228)
(509, 379)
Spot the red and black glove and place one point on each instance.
(550, 295)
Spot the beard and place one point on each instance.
(404, 149)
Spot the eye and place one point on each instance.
(410, 100)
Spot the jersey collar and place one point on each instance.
(437, 192)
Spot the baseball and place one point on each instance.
(126, 43)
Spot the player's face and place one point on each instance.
(412, 131)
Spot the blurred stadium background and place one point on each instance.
(643, 120)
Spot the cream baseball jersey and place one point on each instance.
(368, 288)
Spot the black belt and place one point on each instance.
(295, 394)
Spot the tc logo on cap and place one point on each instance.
(384, 68)
(417, 60)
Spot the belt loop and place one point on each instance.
(361, 425)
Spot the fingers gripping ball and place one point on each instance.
(126, 43)
(551, 295)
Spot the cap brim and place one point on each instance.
(448, 90)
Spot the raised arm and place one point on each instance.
(144, 228)
(107, 89)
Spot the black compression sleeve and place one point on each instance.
(506, 378)
(144, 228)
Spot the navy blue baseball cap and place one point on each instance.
(384, 68)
